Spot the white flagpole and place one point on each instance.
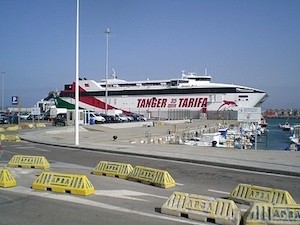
(77, 79)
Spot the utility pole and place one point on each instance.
(77, 78)
(107, 32)
(3, 74)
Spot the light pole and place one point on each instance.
(107, 32)
(3, 73)
(77, 75)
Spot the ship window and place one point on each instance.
(211, 98)
(174, 83)
(68, 87)
(203, 79)
(244, 90)
(165, 91)
(151, 84)
(243, 97)
(183, 81)
(127, 85)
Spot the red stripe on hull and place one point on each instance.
(92, 101)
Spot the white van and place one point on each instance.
(97, 118)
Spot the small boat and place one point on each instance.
(295, 138)
(209, 139)
(263, 122)
(286, 126)
(230, 138)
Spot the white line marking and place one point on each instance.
(24, 147)
(125, 194)
(43, 150)
(82, 201)
(33, 148)
(5, 197)
(12, 152)
(219, 192)
(57, 164)
(16, 145)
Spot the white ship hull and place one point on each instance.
(160, 98)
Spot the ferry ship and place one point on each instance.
(189, 96)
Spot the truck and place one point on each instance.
(55, 111)
(118, 114)
(114, 112)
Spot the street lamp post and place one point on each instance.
(77, 75)
(3, 73)
(107, 32)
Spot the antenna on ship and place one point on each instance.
(113, 75)
(205, 71)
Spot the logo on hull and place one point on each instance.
(226, 105)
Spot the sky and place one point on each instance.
(254, 43)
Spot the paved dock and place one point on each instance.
(133, 138)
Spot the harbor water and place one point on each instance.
(276, 138)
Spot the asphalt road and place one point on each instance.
(116, 201)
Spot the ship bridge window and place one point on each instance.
(244, 90)
(183, 81)
(174, 82)
(177, 82)
(127, 85)
(243, 98)
(68, 87)
(203, 79)
(151, 84)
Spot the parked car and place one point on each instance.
(24, 116)
(13, 118)
(36, 117)
(60, 120)
(4, 120)
(109, 118)
(122, 118)
(97, 118)
(138, 117)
